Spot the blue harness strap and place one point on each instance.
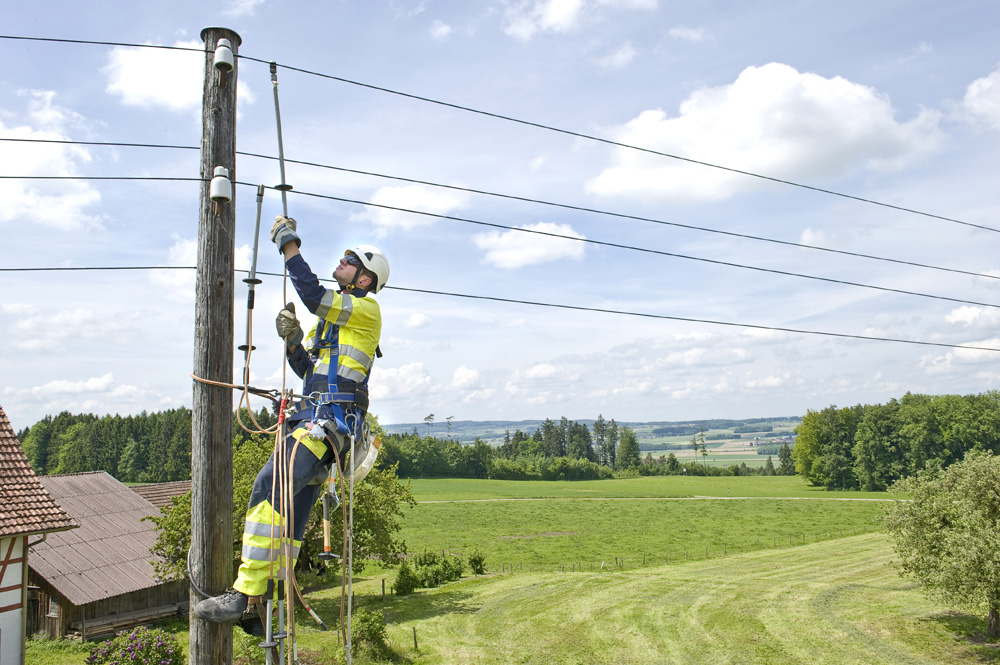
(330, 405)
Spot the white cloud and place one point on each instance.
(982, 99)
(178, 285)
(32, 332)
(395, 382)
(409, 197)
(527, 18)
(515, 249)
(773, 381)
(974, 317)
(242, 7)
(464, 378)
(630, 4)
(417, 320)
(53, 204)
(440, 29)
(962, 360)
(540, 371)
(95, 384)
(618, 58)
(687, 33)
(153, 78)
(772, 120)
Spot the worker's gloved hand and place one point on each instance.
(283, 232)
(288, 326)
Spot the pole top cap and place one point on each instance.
(232, 34)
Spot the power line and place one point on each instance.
(529, 123)
(100, 177)
(691, 320)
(608, 213)
(505, 227)
(113, 144)
(101, 43)
(579, 308)
(634, 248)
(619, 144)
(85, 268)
(513, 197)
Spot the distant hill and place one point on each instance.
(492, 431)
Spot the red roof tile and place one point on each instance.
(25, 506)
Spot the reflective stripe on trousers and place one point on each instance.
(261, 542)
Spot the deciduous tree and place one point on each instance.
(947, 534)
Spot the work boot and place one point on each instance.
(225, 608)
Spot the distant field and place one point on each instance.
(437, 489)
(556, 525)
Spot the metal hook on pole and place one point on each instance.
(283, 187)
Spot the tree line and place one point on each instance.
(144, 448)
(567, 450)
(156, 447)
(870, 447)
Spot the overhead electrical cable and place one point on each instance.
(628, 146)
(101, 177)
(692, 320)
(95, 42)
(529, 123)
(506, 227)
(597, 211)
(566, 206)
(579, 308)
(633, 248)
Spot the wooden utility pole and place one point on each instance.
(212, 406)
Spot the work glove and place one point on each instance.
(283, 232)
(288, 326)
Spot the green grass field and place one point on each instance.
(627, 522)
(750, 570)
(466, 489)
(836, 602)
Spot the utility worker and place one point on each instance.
(334, 361)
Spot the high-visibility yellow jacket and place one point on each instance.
(349, 326)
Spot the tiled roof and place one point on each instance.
(25, 506)
(110, 553)
(160, 494)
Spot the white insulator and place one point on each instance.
(221, 188)
(224, 56)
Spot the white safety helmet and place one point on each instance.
(374, 261)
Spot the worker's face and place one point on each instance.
(346, 269)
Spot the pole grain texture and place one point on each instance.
(211, 423)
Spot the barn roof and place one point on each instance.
(109, 554)
(160, 494)
(25, 506)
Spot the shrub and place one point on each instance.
(406, 580)
(246, 648)
(477, 562)
(148, 646)
(368, 633)
(452, 568)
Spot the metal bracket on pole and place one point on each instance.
(251, 282)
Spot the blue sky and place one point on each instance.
(897, 102)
